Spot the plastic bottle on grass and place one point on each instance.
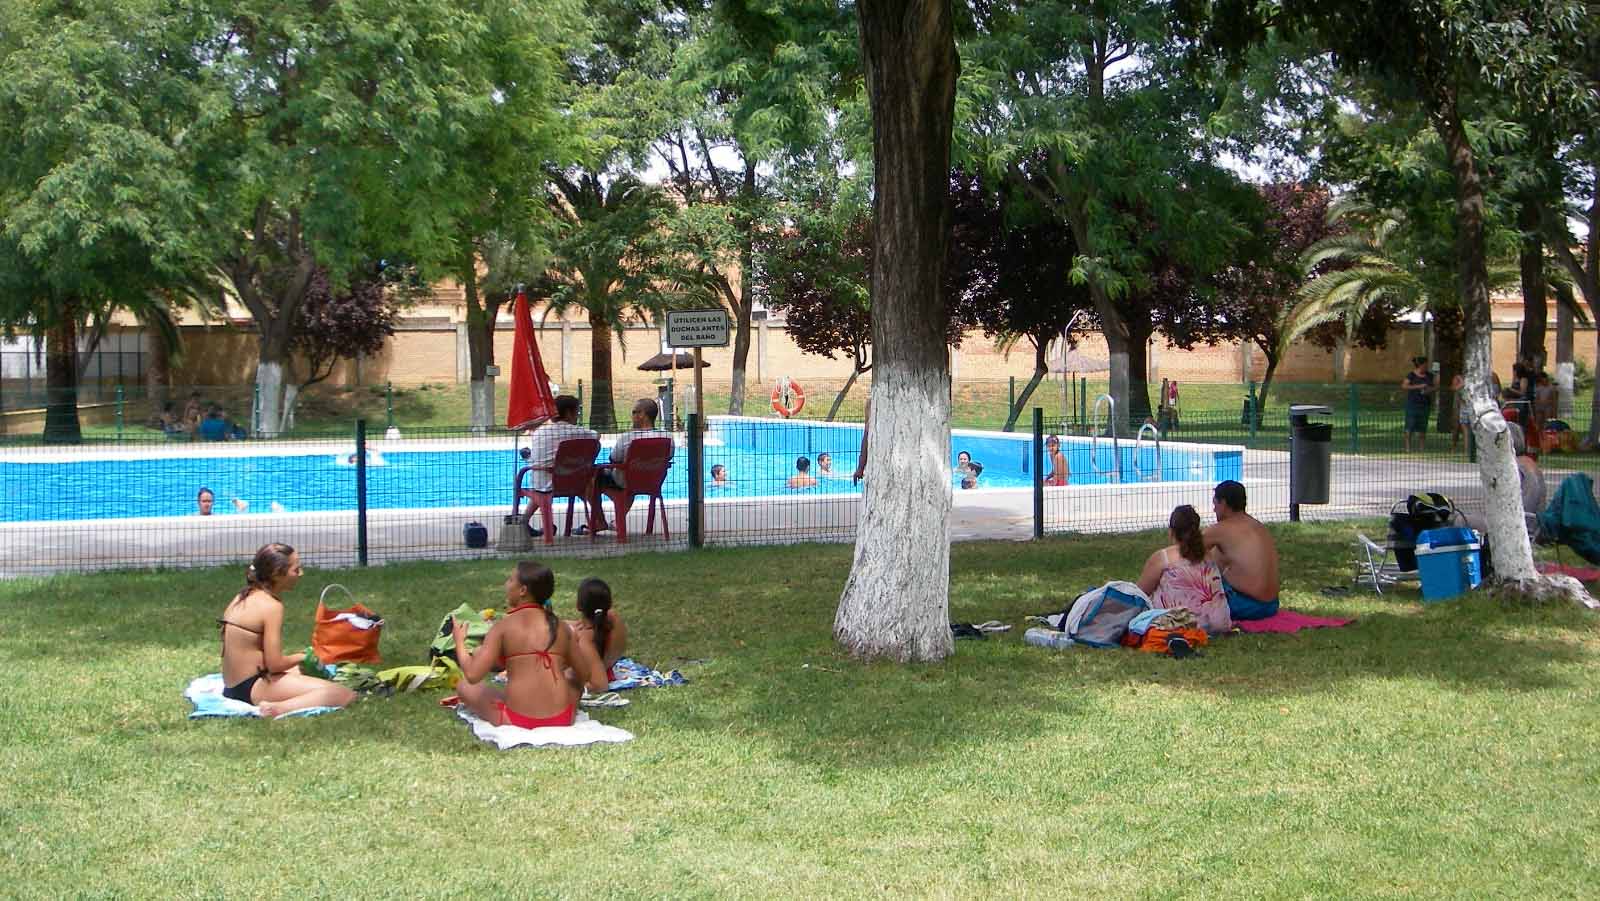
(1047, 638)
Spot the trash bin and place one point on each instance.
(1310, 454)
(1448, 562)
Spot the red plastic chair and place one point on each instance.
(642, 475)
(571, 477)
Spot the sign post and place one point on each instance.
(697, 329)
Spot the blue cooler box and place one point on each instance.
(1447, 562)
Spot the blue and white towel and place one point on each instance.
(632, 674)
(583, 731)
(205, 693)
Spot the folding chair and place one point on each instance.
(1375, 566)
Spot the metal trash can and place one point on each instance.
(1310, 456)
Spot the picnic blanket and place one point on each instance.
(583, 731)
(205, 693)
(632, 674)
(1286, 620)
(1581, 573)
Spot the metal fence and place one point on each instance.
(352, 496)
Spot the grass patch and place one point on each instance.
(1441, 750)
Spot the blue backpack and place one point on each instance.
(1100, 618)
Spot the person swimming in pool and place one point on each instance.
(1244, 551)
(719, 476)
(1060, 470)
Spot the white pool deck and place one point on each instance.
(329, 538)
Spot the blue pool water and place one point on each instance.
(759, 455)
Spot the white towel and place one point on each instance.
(583, 731)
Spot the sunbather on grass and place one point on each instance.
(598, 626)
(254, 667)
(1180, 575)
(536, 650)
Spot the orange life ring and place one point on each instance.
(788, 398)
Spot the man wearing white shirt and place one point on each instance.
(542, 448)
(645, 411)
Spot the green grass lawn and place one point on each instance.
(1445, 750)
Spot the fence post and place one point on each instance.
(1011, 395)
(119, 412)
(697, 484)
(1038, 472)
(388, 400)
(1083, 404)
(255, 410)
(1250, 407)
(580, 392)
(1355, 420)
(361, 492)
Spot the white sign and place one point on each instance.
(697, 328)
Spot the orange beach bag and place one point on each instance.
(345, 636)
(1155, 640)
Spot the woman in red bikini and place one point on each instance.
(598, 627)
(535, 649)
(254, 667)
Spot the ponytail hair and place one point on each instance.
(270, 562)
(594, 603)
(541, 584)
(1185, 525)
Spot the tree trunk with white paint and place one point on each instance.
(269, 389)
(1508, 533)
(896, 601)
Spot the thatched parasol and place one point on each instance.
(664, 362)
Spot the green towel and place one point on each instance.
(444, 645)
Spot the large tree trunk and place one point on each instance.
(1530, 258)
(61, 424)
(1565, 369)
(746, 303)
(158, 373)
(480, 348)
(1040, 369)
(1138, 408)
(1508, 534)
(602, 403)
(896, 601)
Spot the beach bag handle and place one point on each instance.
(323, 597)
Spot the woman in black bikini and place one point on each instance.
(254, 667)
(535, 649)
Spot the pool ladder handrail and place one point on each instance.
(1139, 470)
(1094, 436)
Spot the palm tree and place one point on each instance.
(611, 257)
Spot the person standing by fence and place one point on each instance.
(1418, 387)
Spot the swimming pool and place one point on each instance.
(759, 454)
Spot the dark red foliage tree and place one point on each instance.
(1256, 294)
(341, 325)
(1007, 272)
(816, 275)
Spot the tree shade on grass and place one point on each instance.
(1423, 750)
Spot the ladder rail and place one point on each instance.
(1139, 440)
(1094, 436)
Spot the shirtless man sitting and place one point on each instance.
(1245, 553)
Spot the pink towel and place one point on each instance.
(1286, 620)
(1581, 573)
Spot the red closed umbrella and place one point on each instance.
(531, 401)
